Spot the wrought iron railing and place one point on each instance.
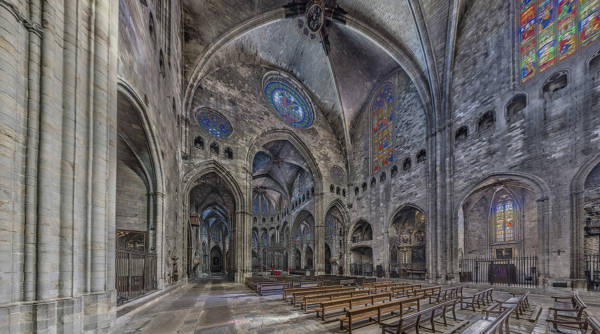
(361, 269)
(136, 275)
(517, 271)
(592, 271)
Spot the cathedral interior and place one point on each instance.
(300, 166)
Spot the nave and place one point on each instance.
(217, 306)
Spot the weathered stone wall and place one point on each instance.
(378, 203)
(548, 141)
(132, 199)
(150, 64)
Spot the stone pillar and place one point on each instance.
(319, 249)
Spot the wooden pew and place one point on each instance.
(348, 303)
(520, 303)
(377, 313)
(567, 311)
(424, 292)
(323, 297)
(499, 325)
(299, 296)
(593, 324)
(287, 293)
(403, 290)
(417, 319)
(479, 299)
(444, 295)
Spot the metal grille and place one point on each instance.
(359, 269)
(517, 271)
(136, 275)
(592, 271)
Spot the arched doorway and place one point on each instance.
(498, 234)
(136, 202)
(211, 207)
(407, 244)
(216, 260)
(591, 229)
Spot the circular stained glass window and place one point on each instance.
(291, 104)
(214, 123)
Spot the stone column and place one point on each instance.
(319, 249)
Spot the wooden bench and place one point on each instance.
(323, 297)
(348, 303)
(299, 296)
(424, 292)
(593, 324)
(444, 295)
(270, 288)
(479, 299)
(403, 290)
(417, 319)
(376, 313)
(520, 303)
(568, 312)
(499, 325)
(287, 293)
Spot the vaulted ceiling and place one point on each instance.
(377, 38)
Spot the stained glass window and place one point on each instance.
(504, 219)
(383, 150)
(290, 104)
(329, 228)
(548, 31)
(214, 123)
(265, 239)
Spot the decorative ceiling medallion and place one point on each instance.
(288, 100)
(213, 123)
(337, 174)
(314, 16)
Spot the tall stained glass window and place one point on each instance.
(551, 30)
(383, 150)
(504, 219)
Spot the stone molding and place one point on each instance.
(32, 27)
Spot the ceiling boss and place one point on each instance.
(314, 17)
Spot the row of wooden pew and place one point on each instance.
(276, 284)
(376, 302)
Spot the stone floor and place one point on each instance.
(222, 307)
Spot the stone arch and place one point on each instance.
(577, 189)
(394, 49)
(342, 263)
(241, 219)
(156, 180)
(540, 194)
(407, 251)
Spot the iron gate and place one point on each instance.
(592, 271)
(136, 275)
(517, 271)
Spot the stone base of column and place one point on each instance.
(92, 313)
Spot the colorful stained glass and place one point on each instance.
(504, 219)
(567, 33)
(528, 62)
(546, 36)
(589, 26)
(290, 104)
(214, 123)
(383, 149)
(265, 240)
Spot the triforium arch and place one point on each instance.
(336, 221)
(258, 145)
(359, 240)
(585, 228)
(504, 204)
(140, 185)
(240, 226)
(408, 242)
